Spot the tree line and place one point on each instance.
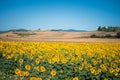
(109, 28)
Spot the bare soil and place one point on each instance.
(56, 36)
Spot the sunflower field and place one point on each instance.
(59, 61)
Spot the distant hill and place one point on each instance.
(14, 30)
(69, 30)
(25, 30)
(3, 32)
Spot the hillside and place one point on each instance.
(56, 36)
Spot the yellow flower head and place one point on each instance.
(75, 78)
(64, 60)
(37, 60)
(27, 67)
(22, 73)
(92, 70)
(116, 73)
(37, 68)
(21, 60)
(9, 57)
(33, 78)
(42, 69)
(105, 78)
(26, 73)
(53, 72)
(39, 78)
(81, 67)
(17, 71)
(111, 70)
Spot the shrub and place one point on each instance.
(94, 36)
(118, 35)
(108, 36)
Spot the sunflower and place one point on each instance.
(53, 72)
(26, 73)
(17, 71)
(39, 78)
(21, 60)
(27, 67)
(37, 60)
(33, 78)
(75, 78)
(105, 78)
(111, 70)
(43, 69)
(37, 68)
(64, 60)
(22, 73)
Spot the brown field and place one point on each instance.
(56, 36)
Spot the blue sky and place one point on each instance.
(58, 14)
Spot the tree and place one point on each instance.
(39, 29)
(99, 28)
(104, 28)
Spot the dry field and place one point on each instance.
(56, 36)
